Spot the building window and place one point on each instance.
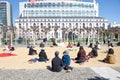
(90, 24)
(41, 24)
(19, 24)
(48, 24)
(55, 24)
(83, 25)
(103, 25)
(96, 24)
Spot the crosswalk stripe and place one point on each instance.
(107, 72)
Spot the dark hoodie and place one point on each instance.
(42, 56)
(57, 63)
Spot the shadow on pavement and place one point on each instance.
(98, 78)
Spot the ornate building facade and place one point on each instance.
(59, 19)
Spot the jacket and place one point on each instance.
(57, 64)
(66, 60)
(42, 56)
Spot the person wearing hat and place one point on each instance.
(57, 63)
(66, 61)
(43, 56)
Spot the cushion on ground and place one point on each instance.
(6, 54)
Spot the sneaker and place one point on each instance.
(68, 70)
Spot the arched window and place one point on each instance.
(34, 24)
(62, 24)
(103, 24)
(41, 24)
(76, 24)
(83, 25)
(96, 24)
(48, 24)
(19, 24)
(70, 24)
(90, 24)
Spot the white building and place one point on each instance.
(55, 15)
(5, 13)
(114, 24)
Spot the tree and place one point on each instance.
(64, 33)
(35, 29)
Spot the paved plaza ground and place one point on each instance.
(18, 68)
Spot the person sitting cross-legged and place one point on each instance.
(43, 56)
(42, 45)
(81, 55)
(57, 63)
(69, 45)
(32, 51)
(8, 48)
(66, 61)
(93, 53)
(110, 57)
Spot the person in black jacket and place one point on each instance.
(32, 51)
(93, 53)
(43, 56)
(57, 63)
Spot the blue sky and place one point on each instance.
(109, 9)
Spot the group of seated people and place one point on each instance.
(70, 45)
(82, 57)
(64, 63)
(97, 45)
(58, 64)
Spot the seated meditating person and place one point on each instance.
(93, 53)
(42, 44)
(97, 45)
(110, 58)
(61, 44)
(32, 51)
(78, 44)
(43, 56)
(81, 55)
(57, 63)
(54, 43)
(8, 47)
(11, 48)
(91, 45)
(69, 45)
(66, 61)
